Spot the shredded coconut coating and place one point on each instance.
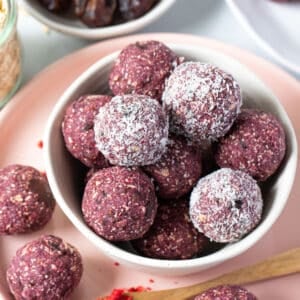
(226, 292)
(142, 68)
(203, 101)
(78, 130)
(178, 170)
(47, 268)
(26, 202)
(256, 144)
(119, 203)
(225, 205)
(132, 130)
(172, 236)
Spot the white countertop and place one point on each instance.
(209, 18)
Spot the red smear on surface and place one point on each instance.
(119, 294)
(151, 280)
(40, 144)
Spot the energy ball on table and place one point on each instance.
(178, 170)
(203, 101)
(132, 9)
(225, 205)
(119, 203)
(26, 202)
(132, 130)
(226, 292)
(172, 236)
(78, 130)
(255, 144)
(47, 268)
(142, 68)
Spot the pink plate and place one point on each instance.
(22, 123)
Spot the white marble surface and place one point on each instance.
(209, 18)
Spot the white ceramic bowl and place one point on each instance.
(61, 174)
(77, 28)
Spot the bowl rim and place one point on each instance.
(102, 32)
(217, 257)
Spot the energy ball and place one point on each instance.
(178, 170)
(142, 68)
(226, 292)
(26, 202)
(47, 268)
(225, 205)
(172, 236)
(119, 203)
(255, 144)
(203, 101)
(132, 130)
(78, 130)
(132, 9)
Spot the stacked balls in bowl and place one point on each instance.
(147, 145)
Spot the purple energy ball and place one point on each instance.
(225, 205)
(178, 170)
(203, 101)
(119, 203)
(142, 68)
(78, 130)
(172, 236)
(132, 130)
(26, 202)
(47, 268)
(255, 144)
(226, 292)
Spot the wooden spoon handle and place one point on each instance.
(280, 265)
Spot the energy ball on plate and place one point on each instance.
(119, 203)
(26, 202)
(255, 144)
(203, 101)
(226, 292)
(47, 268)
(178, 170)
(142, 68)
(78, 130)
(132, 130)
(132, 9)
(172, 236)
(225, 205)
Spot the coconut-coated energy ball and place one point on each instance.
(172, 236)
(256, 144)
(119, 203)
(132, 130)
(78, 130)
(26, 202)
(203, 101)
(178, 170)
(142, 68)
(226, 205)
(47, 268)
(226, 292)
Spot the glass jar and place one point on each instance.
(10, 51)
